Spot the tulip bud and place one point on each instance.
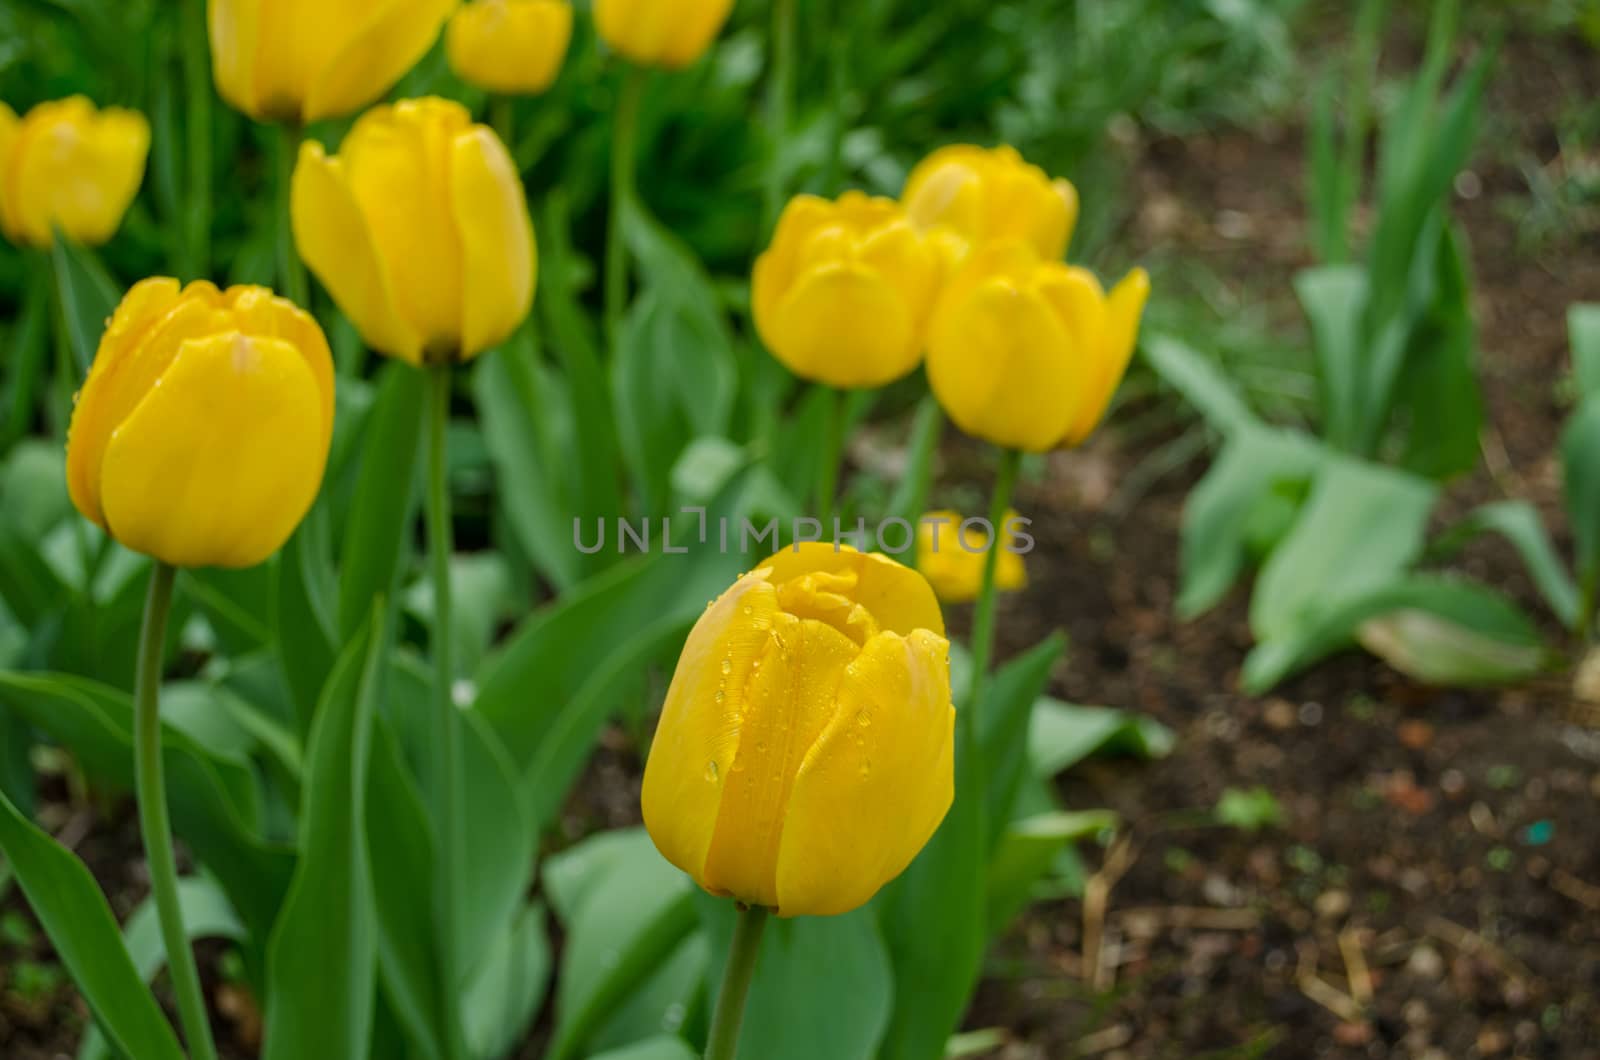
(70, 167)
(988, 196)
(806, 749)
(298, 62)
(514, 47)
(201, 434)
(842, 295)
(1026, 353)
(953, 560)
(667, 33)
(419, 229)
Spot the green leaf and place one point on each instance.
(206, 914)
(1580, 466)
(322, 958)
(83, 932)
(33, 487)
(632, 914)
(1003, 722)
(1201, 383)
(1060, 735)
(1248, 811)
(1025, 852)
(481, 597)
(377, 534)
(505, 991)
(822, 985)
(499, 842)
(1361, 526)
(1583, 330)
(911, 492)
(1519, 523)
(1334, 298)
(88, 296)
(1260, 471)
(662, 1048)
(304, 616)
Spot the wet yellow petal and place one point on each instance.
(789, 700)
(1124, 308)
(513, 47)
(332, 236)
(497, 245)
(256, 311)
(368, 61)
(701, 721)
(218, 463)
(873, 789)
(896, 596)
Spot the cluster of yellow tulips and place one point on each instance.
(806, 750)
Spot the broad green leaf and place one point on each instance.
(1334, 298)
(1519, 523)
(25, 357)
(671, 998)
(635, 912)
(33, 487)
(88, 296)
(236, 603)
(378, 532)
(504, 993)
(1060, 735)
(1436, 395)
(822, 985)
(16, 768)
(480, 597)
(303, 618)
(322, 958)
(1580, 467)
(1003, 723)
(1025, 853)
(1360, 527)
(1201, 383)
(499, 842)
(29, 586)
(662, 1048)
(206, 914)
(1260, 472)
(75, 916)
(1583, 330)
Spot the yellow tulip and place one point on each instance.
(201, 434)
(69, 166)
(419, 229)
(805, 751)
(299, 61)
(1027, 353)
(668, 33)
(953, 564)
(842, 295)
(987, 196)
(514, 47)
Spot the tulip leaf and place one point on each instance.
(75, 916)
(1060, 735)
(504, 992)
(1200, 381)
(1580, 465)
(88, 297)
(322, 957)
(499, 844)
(1583, 331)
(214, 801)
(1519, 523)
(661, 1048)
(1025, 852)
(377, 532)
(629, 918)
(1008, 697)
(304, 616)
(25, 360)
(236, 603)
(206, 914)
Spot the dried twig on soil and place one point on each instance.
(1355, 966)
(1146, 921)
(1475, 945)
(1096, 900)
(1579, 891)
(1101, 1041)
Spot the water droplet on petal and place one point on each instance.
(866, 768)
(727, 666)
(749, 610)
(863, 718)
(720, 696)
(711, 771)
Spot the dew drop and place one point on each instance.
(866, 768)
(727, 666)
(711, 771)
(720, 696)
(863, 718)
(749, 610)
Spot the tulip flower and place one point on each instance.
(295, 62)
(805, 751)
(513, 47)
(419, 229)
(987, 196)
(952, 557)
(68, 166)
(665, 33)
(202, 432)
(1027, 353)
(843, 294)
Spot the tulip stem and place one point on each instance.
(624, 137)
(446, 725)
(723, 1044)
(291, 270)
(154, 823)
(197, 87)
(837, 423)
(983, 617)
(780, 97)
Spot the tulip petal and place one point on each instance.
(698, 736)
(515, 48)
(235, 30)
(698, 24)
(788, 702)
(10, 131)
(221, 460)
(872, 790)
(845, 324)
(258, 312)
(1124, 307)
(374, 56)
(499, 262)
(75, 168)
(896, 596)
(333, 238)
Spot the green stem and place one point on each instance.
(446, 725)
(1588, 592)
(624, 144)
(910, 499)
(723, 1043)
(291, 271)
(983, 616)
(832, 453)
(780, 100)
(503, 117)
(153, 820)
(197, 86)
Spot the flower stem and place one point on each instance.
(153, 821)
(983, 617)
(624, 144)
(723, 1043)
(780, 100)
(446, 725)
(197, 87)
(291, 271)
(832, 454)
(503, 119)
